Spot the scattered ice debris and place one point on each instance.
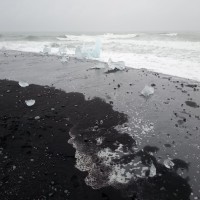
(152, 170)
(168, 163)
(23, 84)
(147, 91)
(30, 102)
(89, 51)
(37, 117)
(46, 49)
(120, 65)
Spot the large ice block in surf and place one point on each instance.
(120, 65)
(147, 91)
(89, 51)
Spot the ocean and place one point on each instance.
(176, 54)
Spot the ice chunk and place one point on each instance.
(78, 52)
(89, 51)
(64, 59)
(99, 66)
(144, 170)
(62, 50)
(168, 163)
(46, 49)
(120, 65)
(23, 84)
(97, 49)
(152, 170)
(147, 91)
(30, 102)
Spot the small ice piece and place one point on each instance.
(63, 50)
(120, 65)
(23, 84)
(78, 52)
(30, 102)
(147, 91)
(37, 117)
(46, 49)
(144, 170)
(99, 66)
(99, 140)
(64, 59)
(152, 170)
(168, 163)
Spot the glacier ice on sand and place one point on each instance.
(147, 91)
(23, 84)
(30, 102)
(46, 49)
(120, 65)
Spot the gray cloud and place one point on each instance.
(99, 15)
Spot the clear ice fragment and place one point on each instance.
(30, 102)
(168, 163)
(23, 84)
(147, 91)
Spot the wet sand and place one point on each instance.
(37, 161)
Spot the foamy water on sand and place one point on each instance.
(176, 54)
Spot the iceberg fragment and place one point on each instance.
(46, 49)
(30, 102)
(78, 52)
(152, 171)
(120, 65)
(89, 51)
(23, 84)
(147, 91)
(144, 170)
(99, 66)
(168, 163)
(64, 59)
(62, 50)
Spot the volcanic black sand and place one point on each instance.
(62, 147)
(36, 161)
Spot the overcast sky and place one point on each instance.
(99, 15)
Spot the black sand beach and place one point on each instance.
(38, 162)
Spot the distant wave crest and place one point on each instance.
(31, 38)
(119, 36)
(169, 34)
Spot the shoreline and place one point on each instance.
(167, 121)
